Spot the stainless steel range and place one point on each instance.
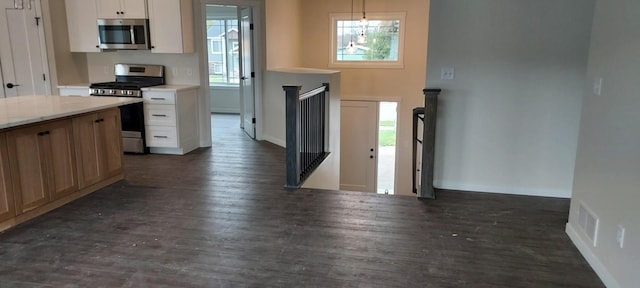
(130, 79)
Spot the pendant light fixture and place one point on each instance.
(351, 47)
(364, 22)
(362, 37)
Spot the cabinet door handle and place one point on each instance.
(44, 133)
(99, 120)
(158, 98)
(161, 137)
(158, 115)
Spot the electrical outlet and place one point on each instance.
(620, 236)
(447, 73)
(597, 86)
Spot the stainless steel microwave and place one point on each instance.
(123, 34)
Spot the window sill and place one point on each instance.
(224, 87)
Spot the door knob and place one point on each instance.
(11, 85)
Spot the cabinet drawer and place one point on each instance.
(160, 115)
(154, 97)
(161, 136)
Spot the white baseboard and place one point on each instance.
(274, 140)
(225, 110)
(502, 190)
(592, 259)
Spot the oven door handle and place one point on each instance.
(158, 115)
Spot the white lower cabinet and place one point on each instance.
(162, 136)
(171, 122)
(160, 115)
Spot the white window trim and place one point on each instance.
(335, 17)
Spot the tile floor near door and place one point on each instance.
(220, 217)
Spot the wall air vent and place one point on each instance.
(588, 222)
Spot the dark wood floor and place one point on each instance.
(220, 218)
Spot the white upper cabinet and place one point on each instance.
(171, 26)
(81, 22)
(122, 9)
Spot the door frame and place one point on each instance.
(43, 53)
(258, 56)
(398, 134)
(2, 96)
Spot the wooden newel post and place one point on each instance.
(292, 124)
(428, 142)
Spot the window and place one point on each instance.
(224, 61)
(381, 46)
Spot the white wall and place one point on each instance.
(608, 161)
(327, 175)
(225, 99)
(179, 68)
(508, 122)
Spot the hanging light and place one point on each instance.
(351, 47)
(362, 37)
(363, 21)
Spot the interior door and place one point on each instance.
(22, 57)
(358, 143)
(247, 92)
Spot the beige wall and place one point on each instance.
(65, 67)
(283, 29)
(404, 85)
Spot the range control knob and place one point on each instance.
(129, 93)
(112, 92)
(101, 91)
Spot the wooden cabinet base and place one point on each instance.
(59, 202)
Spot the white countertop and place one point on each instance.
(168, 87)
(16, 111)
(303, 70)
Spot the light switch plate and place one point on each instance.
(447, 73)
(597, 86)
(620, 236)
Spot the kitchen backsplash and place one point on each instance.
(179, 68)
